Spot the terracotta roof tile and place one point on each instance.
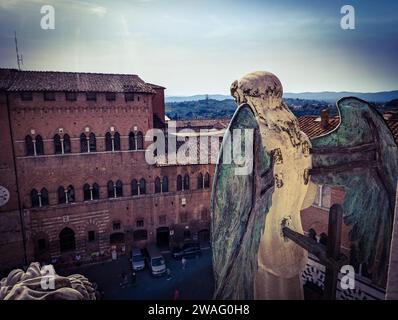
(311, 125)
(312, 128)
(393, 125)
(6, 78)
(77, 81)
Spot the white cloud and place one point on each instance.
(98, 10)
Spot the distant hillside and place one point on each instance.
(200, 109)
(327, 96)
(334, 96)
(197, 97)
(213, 109)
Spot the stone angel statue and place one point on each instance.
(251, 257)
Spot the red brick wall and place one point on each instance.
(51, 171)
(158, 103)
(11, 241)
(318, 218)
(46, 117)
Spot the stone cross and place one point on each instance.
(328, 255)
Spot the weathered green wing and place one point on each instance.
(361, 156)
(237, 222)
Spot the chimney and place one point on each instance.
(325, 118)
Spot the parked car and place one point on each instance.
(156, 262)
(137, 259)
(187, 250)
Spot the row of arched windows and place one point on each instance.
(115, 189)
(88, 143)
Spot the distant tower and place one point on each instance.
(207, 100)
(19, 58)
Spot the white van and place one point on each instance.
(156, 262)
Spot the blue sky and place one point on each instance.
(194, 47)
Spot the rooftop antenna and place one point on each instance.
(19, 57)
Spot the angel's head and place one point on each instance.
(258, 87)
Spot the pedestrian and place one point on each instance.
(168, 273)
(124, 279)
(78, 258)
(133, 279)
(176, 294)
(183, 262)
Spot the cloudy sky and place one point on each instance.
(201, 46)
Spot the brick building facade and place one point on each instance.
(73, 163)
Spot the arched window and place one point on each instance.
(112, 142)
(61, 195)
(142, 186)
(186, 181)
(67, 240)
(91, 193)
(70, 194)
(134, 187)
(95, 191)
(92, 142)
(108, 142)
(140, 141)
(200, 181)
(62, 145)
(132, 144)
(39, 145)
(30, 150)
(57, 144)
(67, 145)
(165, 184)
(116, 143)
(83, 143)
(119, 188)
(207, 180)
(179, 182)
(111, 189)
(44, 197)
(39, 199)
(34, 197)
(86, 192)
(158, 187)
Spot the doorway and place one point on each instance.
(163, 237)
(67, 240)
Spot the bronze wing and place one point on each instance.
(361, 156)
(237, 224)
